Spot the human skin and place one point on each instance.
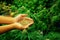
(6, 28)
(6, 20)
(13, 23)
(9, 20)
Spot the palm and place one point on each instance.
(21, 20)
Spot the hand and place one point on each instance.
(20, 17)
(19, 26)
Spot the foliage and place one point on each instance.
(46, 16)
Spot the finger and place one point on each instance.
(23, 15)
(26, 26)
(27, 18)
(31, 20)
(20, 16)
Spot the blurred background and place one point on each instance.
(46, 16)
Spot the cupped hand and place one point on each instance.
(21, 17)
(19, 26)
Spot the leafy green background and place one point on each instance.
(46, 16)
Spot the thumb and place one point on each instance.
(20, 16)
